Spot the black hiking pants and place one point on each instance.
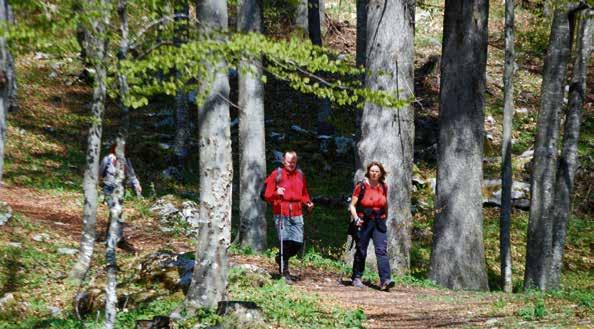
(290, 249)
(372, 229)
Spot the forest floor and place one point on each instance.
(404, 306)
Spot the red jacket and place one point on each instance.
(296, 195)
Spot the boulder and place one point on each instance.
(5, 212)
(240, 314)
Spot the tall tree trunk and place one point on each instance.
(115, 203)
(540, 225)
(301, 18)
(387, 134)
(182, 123)
(568, 162)
(457, 257)
(216, 173)
(315, 21)
(360, 62)
(5, 59)
(95, 48)
(506, 148)
(11, 68)
(252, 146)
(122, 80)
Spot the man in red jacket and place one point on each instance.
(286, 191)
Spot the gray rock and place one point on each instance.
(17, 245)
(67, 251)
(245, 314)
(41, 237)
(55, 311)
(253, 269)
(7, 298)
(521, 110)
(343, 144)
(277, 137)
(278, 156)
(300, 130)
(164, 146)
(5, 212)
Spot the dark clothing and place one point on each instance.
(372, 229)
(290, 249)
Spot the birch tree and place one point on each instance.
(252, 147)
(457, 257)
(390, 32)
(506, 148)
(95, 48)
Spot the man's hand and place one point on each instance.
(309, 206)
(138, 190)
(280, 191)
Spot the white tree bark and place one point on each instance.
(506, 148)
(457, 256)
(115, 219)
(95, 49)
(252, 145)
(387, 134)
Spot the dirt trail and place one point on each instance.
(402, 307)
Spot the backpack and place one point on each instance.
(277, 179)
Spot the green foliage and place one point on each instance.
(535, 311)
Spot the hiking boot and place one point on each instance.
(126, 246)
(386, 285)
(288, 278)
(357, 283)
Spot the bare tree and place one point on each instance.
(252, 147)
(301, 18)
(506, 148)
(387, 134)
(457, 257)
(568, 162)
(95, 49)
(540, 225)
(216, 173)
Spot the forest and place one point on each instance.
(166, 163)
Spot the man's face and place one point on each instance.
(290, 162)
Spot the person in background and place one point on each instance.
(286, 191)
(107, 173)
(369, 211)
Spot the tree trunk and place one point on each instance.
(540, 225)
(95, 47)
(10, 70)
(252, 146)
(182, 123)
(115, 203)
(216, 173)
(301, 18)
(122, 80)
(360, 62)
(506, 148)
(387, 134)
(457, 257)
(5, 59)
(568, 162)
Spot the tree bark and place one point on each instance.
(216, 172)
(182, 126)
(540, 225)
(115, 203)
(387, 134)
(568, 162)
(360, 62)
(252, 146)
(122, 80)
(315, 21)
(506, 148)
(95, 48)
(301, 18)
(5, 59)
(457, 257)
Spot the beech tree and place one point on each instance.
(568, 163)
(252, 147)
(209, 279)
(390, 34)
(95, 45)
(182, 122)
(457, 256)
(506, 148)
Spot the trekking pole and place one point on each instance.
(280, 237)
